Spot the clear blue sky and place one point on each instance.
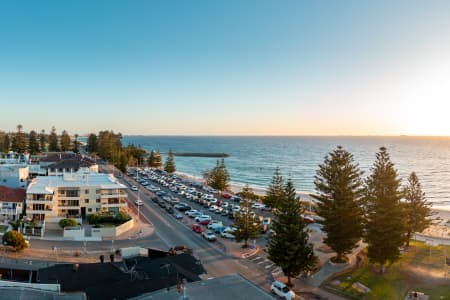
(226, 67)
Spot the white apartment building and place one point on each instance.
(13, 170)
(74, 195)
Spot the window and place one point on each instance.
(89, 209)
(97, 200)
(86, 191)
(86, 200)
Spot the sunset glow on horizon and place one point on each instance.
(234, 68)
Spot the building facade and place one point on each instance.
(11, 203)
(74, 195)
(13, 170)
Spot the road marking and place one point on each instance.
(258, 257)
(261, 262)
(269, 266)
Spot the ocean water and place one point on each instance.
(253, 159)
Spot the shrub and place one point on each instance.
(67, 223)
(93, 218)
(122, 217)
(15, 239)
(15, 224)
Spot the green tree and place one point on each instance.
(91, 146)
(53, 141)
(275, 191)
(158, 160)
(385, 225)
(67, 223)
(151, 159)
(417, 208)
(65, 141)
(247, 227)
(19, 143)
(169, 166)
(33, 143)
(289, 245)
(75, 147)
(42, 140)
(218, 177)
(339, 186)
(15, 239)
(4, 142)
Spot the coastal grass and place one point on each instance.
(421, 268)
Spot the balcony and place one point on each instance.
(40, 201)
(109, 205)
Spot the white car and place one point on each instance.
(209, 235)
(282, 291)
(227, 235)
(215, 224)
(213, 208)
(134, 188)
(139, 202)
(258, 206)
(202, 218)
(192, 211)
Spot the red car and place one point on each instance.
(226, 195)
(197, 228)
(204, 222)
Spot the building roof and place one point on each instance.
(72, 158)
(38, 294)
(115, 281)
(47, 184)
(11, 195)
(222, 288)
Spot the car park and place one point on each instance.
(281, 290)
(209, 235)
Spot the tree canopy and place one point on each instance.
(218, 177)
(247, 226)
(339, 190)
(289, 245)
(384, 225)
(169, 166)
(417, 208)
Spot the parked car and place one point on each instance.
(139, 202)
(282, 291)
(226, 195)
(214, 224)
(209, 235)
(134, 188)
(197, 228)
(227, 235)
(203, 219)
(178, 215)
(170, 209)
(192, 211)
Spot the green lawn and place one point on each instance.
(416, 270)
(3, 228)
